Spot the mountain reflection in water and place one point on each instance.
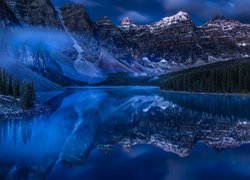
(84, 121)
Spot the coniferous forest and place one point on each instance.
(10, 86)
(224, 77)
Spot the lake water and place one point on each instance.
(130, 133)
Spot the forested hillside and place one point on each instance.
(225, 77)
(10, 86)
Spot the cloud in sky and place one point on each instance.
(134, 16)
(207, 9)
(146, 11)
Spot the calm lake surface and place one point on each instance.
(130, 133)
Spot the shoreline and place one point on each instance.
(111, 87)
(156, 87)
(10, 109)
(19, 114)
(205, 93)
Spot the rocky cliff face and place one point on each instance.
(34, 12)
(78, 23)
(100, 43)
(169, 38)
(176, 39)
(111, 38)
(224, 38)
(7, 17)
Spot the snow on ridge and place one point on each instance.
(127, 22)
(243, 44)
(180, 16)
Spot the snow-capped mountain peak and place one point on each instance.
(179, 17)
(127, 22)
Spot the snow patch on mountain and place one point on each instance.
(109, 64)
(168, 21)
(81, 69)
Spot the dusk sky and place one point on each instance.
(147, 11)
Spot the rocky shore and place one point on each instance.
(10, 109)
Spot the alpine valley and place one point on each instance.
(61, 47)
(95, 99)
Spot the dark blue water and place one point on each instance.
(130, 133)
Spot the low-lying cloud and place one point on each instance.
(34, 38)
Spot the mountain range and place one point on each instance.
(57, 47)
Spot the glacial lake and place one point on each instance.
(130, 133)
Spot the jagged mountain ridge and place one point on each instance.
(178, 39)
(90, 50)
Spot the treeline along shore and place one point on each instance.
(24, 91)
(223, 77)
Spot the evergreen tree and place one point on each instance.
(1, 82)
(4, 83)
(28, 95)
(10, 86)
(32, 93)
(16, 88)
(24, 97)
(230, 76)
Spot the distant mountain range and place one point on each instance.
(66, 47)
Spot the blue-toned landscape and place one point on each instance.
(130, 133)
(130, 90)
